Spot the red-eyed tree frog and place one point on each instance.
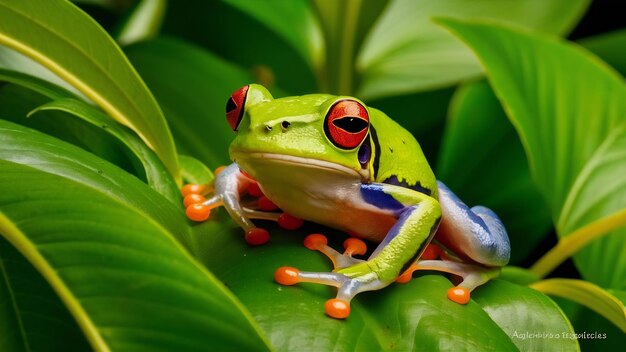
(334, 161)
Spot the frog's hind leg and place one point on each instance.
(475, 234)
(472, 275)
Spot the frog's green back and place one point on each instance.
(398, 157)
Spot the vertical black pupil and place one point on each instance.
(230, 105)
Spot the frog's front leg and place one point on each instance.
(418, 216)
(227, 188)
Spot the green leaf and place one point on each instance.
(417, 315)
(522, 312)
(498, 175)
(398, 317)
(32, 318)
(577, 162)
(406, 52)
(156, 173)
(35, 83)
(143, 23)
(25, 146)
(599, 300)
(119, 271)
(194, 171)
(517, 275)
(58, 35)
(11, 60)
(609, 47)
(293, 21)
(193, 87)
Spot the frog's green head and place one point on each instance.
(316, 130)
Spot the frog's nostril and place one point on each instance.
(285, 124)
(268, 128)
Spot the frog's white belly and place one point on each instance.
(318, 191)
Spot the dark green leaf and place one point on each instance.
(193, 87)
(483, 161)
(609, 47)
(293, 21)
(244, 41)
(32, 318)
(156, 173)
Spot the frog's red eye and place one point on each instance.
(346, 124)
(234, 107)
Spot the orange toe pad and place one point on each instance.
(458, 294)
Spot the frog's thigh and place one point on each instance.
(476, 233)
(418, 218)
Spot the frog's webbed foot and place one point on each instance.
(229, 185)
(351, 275)
(472, 276)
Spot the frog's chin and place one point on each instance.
(248, 160)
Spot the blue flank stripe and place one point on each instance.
(376, 196)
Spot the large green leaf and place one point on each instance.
(483, 161)
(22, 145)
(406, 52)
(61, 37)
(119, 271)
(156, 173)
(192, 86)
(16, 102)
(32, 318)
(65, 103)
(573, 127)
(413, 316)
(523, 313)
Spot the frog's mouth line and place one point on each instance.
(316, 163)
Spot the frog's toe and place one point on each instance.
(472, 275)
(338, 307)
(352, 246)
(459, 294)
(256, 236)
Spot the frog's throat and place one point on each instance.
(305, 162)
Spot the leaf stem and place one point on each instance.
(576, 240)
(346, 50)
